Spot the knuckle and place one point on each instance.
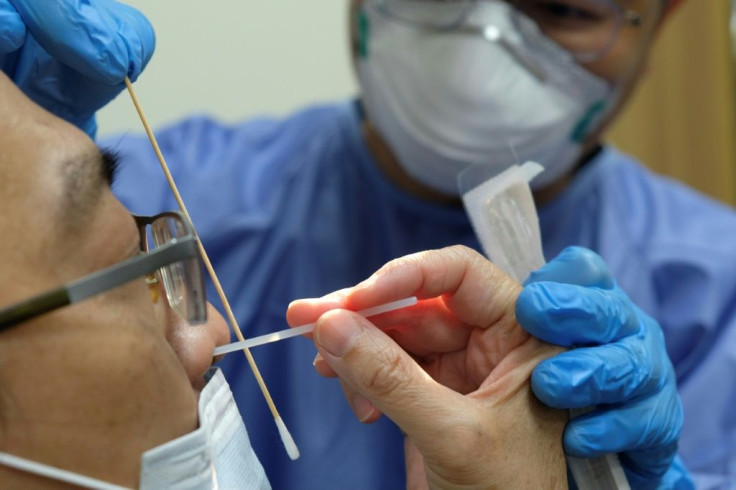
(613, 314)
(388, 377)
(646, 375)
(663, 432)
(583, 256)
(588, 264)
(594, 264)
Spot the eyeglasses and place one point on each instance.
(169, 250)
(585, 28)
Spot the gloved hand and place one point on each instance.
(618, 364)
(71, 56)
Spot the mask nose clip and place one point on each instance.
(493, 34)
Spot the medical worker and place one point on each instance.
(316, 202)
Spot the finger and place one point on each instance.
(575, 265)
(649, 464)
(135, 34)
(568, 315)
(426, 328)
(336, 295)
(361, 406)
(515, 368)
(322, 368)
(104, 40)
(608, 374)
(475, 290)
(308, 310)
(374, 366)
(12, 29)
(649, 423)
(454, 370)
(676, 475)
(363, 409)
(416, 472)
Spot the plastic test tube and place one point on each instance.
(301, 330)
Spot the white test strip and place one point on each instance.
(301, 330)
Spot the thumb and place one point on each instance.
(373, 365)
(105, 40)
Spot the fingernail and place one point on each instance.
(362, 407)
(337, 337)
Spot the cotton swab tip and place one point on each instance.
(286, 438)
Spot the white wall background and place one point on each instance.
(237, 58)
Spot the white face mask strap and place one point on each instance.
(55, 473)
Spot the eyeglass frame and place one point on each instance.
(629, 17)
(148, 262)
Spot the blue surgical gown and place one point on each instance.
(295, 207)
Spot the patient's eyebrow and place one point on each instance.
(84, 177)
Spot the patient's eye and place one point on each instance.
(110, 164)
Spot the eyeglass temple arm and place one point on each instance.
(134, 268)
(32, 307)
(98, 282)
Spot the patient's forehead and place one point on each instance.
(15, 108)
(36, 147)
(46, 166)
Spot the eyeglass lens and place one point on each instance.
(580, 26)
(584, 27)
(182, 280)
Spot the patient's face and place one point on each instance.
(91, 386)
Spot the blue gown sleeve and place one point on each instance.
(218, 170)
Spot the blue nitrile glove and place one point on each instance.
(71, 56)
(618, 364)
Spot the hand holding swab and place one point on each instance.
(304, 329)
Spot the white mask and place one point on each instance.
(216, 455)
(447, 100)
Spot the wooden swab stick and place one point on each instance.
(286, 438)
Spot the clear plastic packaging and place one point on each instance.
(501, 209)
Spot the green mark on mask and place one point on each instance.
(362, 29)
(583, 126)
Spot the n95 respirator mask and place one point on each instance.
(494, 90)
